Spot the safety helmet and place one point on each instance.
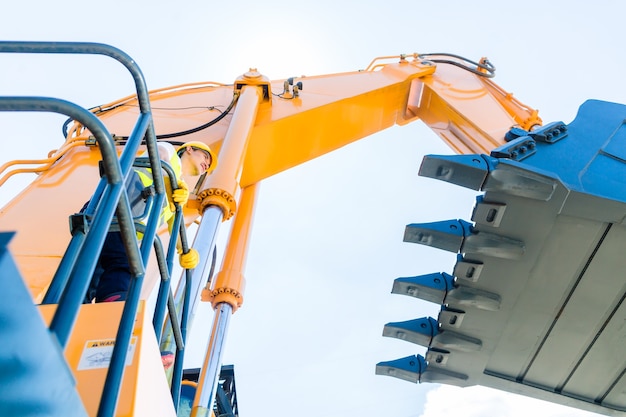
(203, 147)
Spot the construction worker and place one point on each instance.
(189, 160)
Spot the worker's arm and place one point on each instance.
(178, 196)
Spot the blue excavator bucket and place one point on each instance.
(535, 302)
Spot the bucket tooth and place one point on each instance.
(462, 296)
(515, 180)
(437, 356)
(495, 245)
(469, 171)
(409, 368)
(438, 375)
(451, 340)
(467, 269)
(450, 317)
(419, 331)
(447, 235)
(488, 213)
(429, 287)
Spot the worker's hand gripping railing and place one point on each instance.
(74, 273)
(178, 315)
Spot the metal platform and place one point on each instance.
(35, 378)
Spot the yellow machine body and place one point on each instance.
(268, 134)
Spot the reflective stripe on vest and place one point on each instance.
(145, 175)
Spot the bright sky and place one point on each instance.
(327, 242)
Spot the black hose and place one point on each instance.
(486, 65)
(201, 127)
(167, 135)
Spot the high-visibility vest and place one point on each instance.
(145, 175)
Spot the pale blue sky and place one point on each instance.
(326, 247)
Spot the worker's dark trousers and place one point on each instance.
(115, 277)
(111, 278)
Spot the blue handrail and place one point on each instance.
(72, 278)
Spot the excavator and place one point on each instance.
(533, 304)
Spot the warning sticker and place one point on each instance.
(97, 354)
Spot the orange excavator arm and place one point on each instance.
(259, 128)
(302, 118)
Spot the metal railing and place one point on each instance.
(89, 228)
